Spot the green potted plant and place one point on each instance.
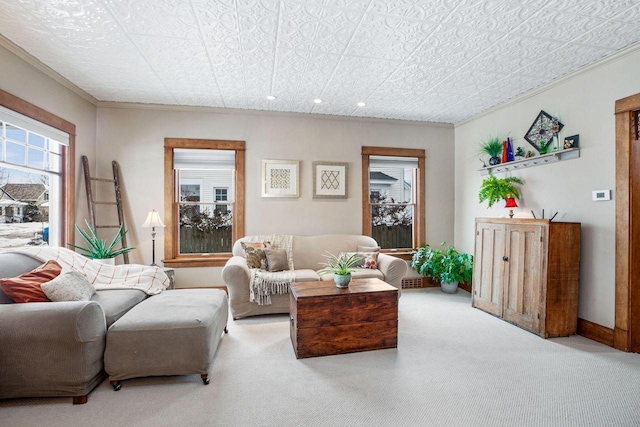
(494, 189)
(545, 147)
(493, 148)
(341, 267)
(447, 266)
(97, 248)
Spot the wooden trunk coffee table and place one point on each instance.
(328, 320)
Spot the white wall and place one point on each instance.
(134, 136)
(584, 103)
(25, 81)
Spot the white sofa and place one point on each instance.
(308, 255)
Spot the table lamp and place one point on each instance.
(511, 203)
(153, 220)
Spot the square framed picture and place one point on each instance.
(280, 178)
(571, 141)
(330, 180)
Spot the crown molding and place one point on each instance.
(220, 110)
(537, 91)
(48, 71)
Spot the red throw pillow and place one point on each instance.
(26, 287)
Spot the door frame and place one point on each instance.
(627, 299)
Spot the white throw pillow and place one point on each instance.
(70, 285)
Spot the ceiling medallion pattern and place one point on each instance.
(425, 60)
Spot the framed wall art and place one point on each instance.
(330, 180)
(543, 129)
(572, 141)
(280, 178)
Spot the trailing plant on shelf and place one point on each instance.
(492, 147)
(494, 189)
(97, 248)
(447, 265)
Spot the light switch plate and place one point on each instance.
(601, 195)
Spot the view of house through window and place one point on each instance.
(205, 180)
(204, 209)
(30, 171)
(392, 198)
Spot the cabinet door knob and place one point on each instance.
(505, 258)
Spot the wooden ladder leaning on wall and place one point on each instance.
(91, 202)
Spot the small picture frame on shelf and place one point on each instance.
(571, 141)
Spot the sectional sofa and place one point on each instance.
(66, 348)
(55, 349)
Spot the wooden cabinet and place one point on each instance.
(527, 272)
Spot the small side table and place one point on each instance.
(171, 273)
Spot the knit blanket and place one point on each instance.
(150, 279)
(263, 284)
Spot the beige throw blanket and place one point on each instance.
(263, 284)
(152, 280)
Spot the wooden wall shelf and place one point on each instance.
(542, 159)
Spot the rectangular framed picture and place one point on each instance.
(330, 180)
(571, 141)
(280, 178)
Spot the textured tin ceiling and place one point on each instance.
(429, 60)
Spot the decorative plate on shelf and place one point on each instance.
(540, 134)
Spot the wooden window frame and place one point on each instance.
(67, 177)
(172, 258)
(419, 220)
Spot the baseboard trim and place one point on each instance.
(465, 286)
(595, 332)
(428, 282)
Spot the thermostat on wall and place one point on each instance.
(599, 195)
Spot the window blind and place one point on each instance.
(34, 126)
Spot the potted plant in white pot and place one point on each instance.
(341, 267)
(97, 248)
(447, 266)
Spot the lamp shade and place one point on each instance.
(511, 203)
(153, 220)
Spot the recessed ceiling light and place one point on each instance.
(361, 104)
(318, 101)
(271, 97)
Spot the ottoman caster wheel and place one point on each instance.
(117, 385)
(205, 379)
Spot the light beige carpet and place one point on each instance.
(455, 366)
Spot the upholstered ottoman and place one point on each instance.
(174, 333)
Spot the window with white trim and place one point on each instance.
(31, 170)
(221, 194)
